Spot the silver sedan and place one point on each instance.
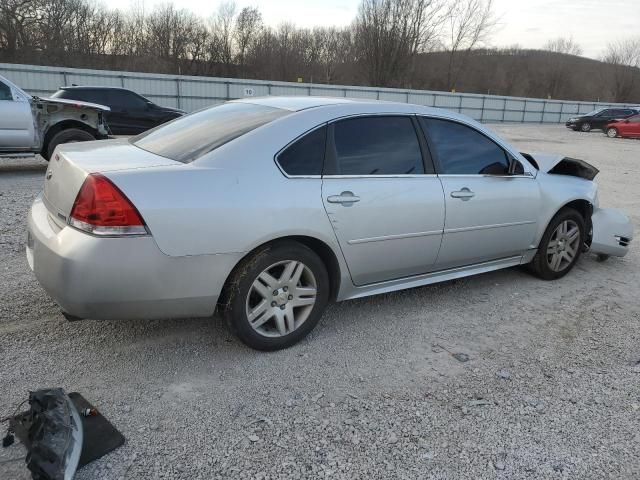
(269, 208)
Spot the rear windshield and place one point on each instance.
(189, 137)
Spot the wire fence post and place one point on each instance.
(64, 78)
(178, 95)
(122, 81)
(524, 111)
(228, 88)
(484, 99)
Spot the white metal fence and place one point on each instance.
(192, 93)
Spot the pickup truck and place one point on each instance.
(30, 125)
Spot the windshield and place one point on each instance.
(189, 137)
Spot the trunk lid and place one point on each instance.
(71, 163)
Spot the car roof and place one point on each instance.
(345, 105)
(88, 87)
(293, 103)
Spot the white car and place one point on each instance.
(271, 207)
(31, 125)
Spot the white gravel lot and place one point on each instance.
(551, 388)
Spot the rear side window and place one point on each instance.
(306, 155)
(123, 100)
(461, 150)
(5, 92)
(188, 138)
(375, 146)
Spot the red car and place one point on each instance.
(628, 127)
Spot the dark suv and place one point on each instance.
(599, 118)
(130, 113)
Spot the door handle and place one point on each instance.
(463, 194)
(346, 198)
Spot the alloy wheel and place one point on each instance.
(586, 127)
(612, 133)
(281, 298)
(563, 245)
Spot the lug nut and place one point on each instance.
(275, 293)
(273, 304)
(281, 307)
(290, 297)
(285, 288)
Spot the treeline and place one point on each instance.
(430, 44)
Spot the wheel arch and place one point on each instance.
(58, 127)
(319, 247)
(584, 208)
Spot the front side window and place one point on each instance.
(306, 155)
(189, 137)
(461, 150)
(375, 146)
(5, 92)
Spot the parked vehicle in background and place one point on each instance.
(30, 125)
(130, 113)
(599, 119)
(270, 207)
(627, 128)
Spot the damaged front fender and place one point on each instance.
(559, 165)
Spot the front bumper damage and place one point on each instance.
(612, 232)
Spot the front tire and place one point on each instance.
(612, 132)
(276, 296)
(561, 245)
(70, 135)
(585, 127)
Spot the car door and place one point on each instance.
(630, 127)
(604, 117)
(128, 114)
(382, 197)
(490, 214)
(17, 131)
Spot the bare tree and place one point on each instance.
(223, 30)
(389, 33)
(468, 24)
(248, 26)
(624, 57)
(18, 20)
(557, 71)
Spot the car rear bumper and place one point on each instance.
(612, 232)
(121, 278)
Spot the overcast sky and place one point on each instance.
(529, 23)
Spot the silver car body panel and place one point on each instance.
(25, 120)
(204, 217)
(110, 278)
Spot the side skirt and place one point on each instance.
(434, 277)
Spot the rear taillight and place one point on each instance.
(102, 209)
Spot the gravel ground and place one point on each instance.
(551, 387)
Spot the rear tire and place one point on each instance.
(70, 135)
(612, 132)
(276, 296)
(560, 246)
